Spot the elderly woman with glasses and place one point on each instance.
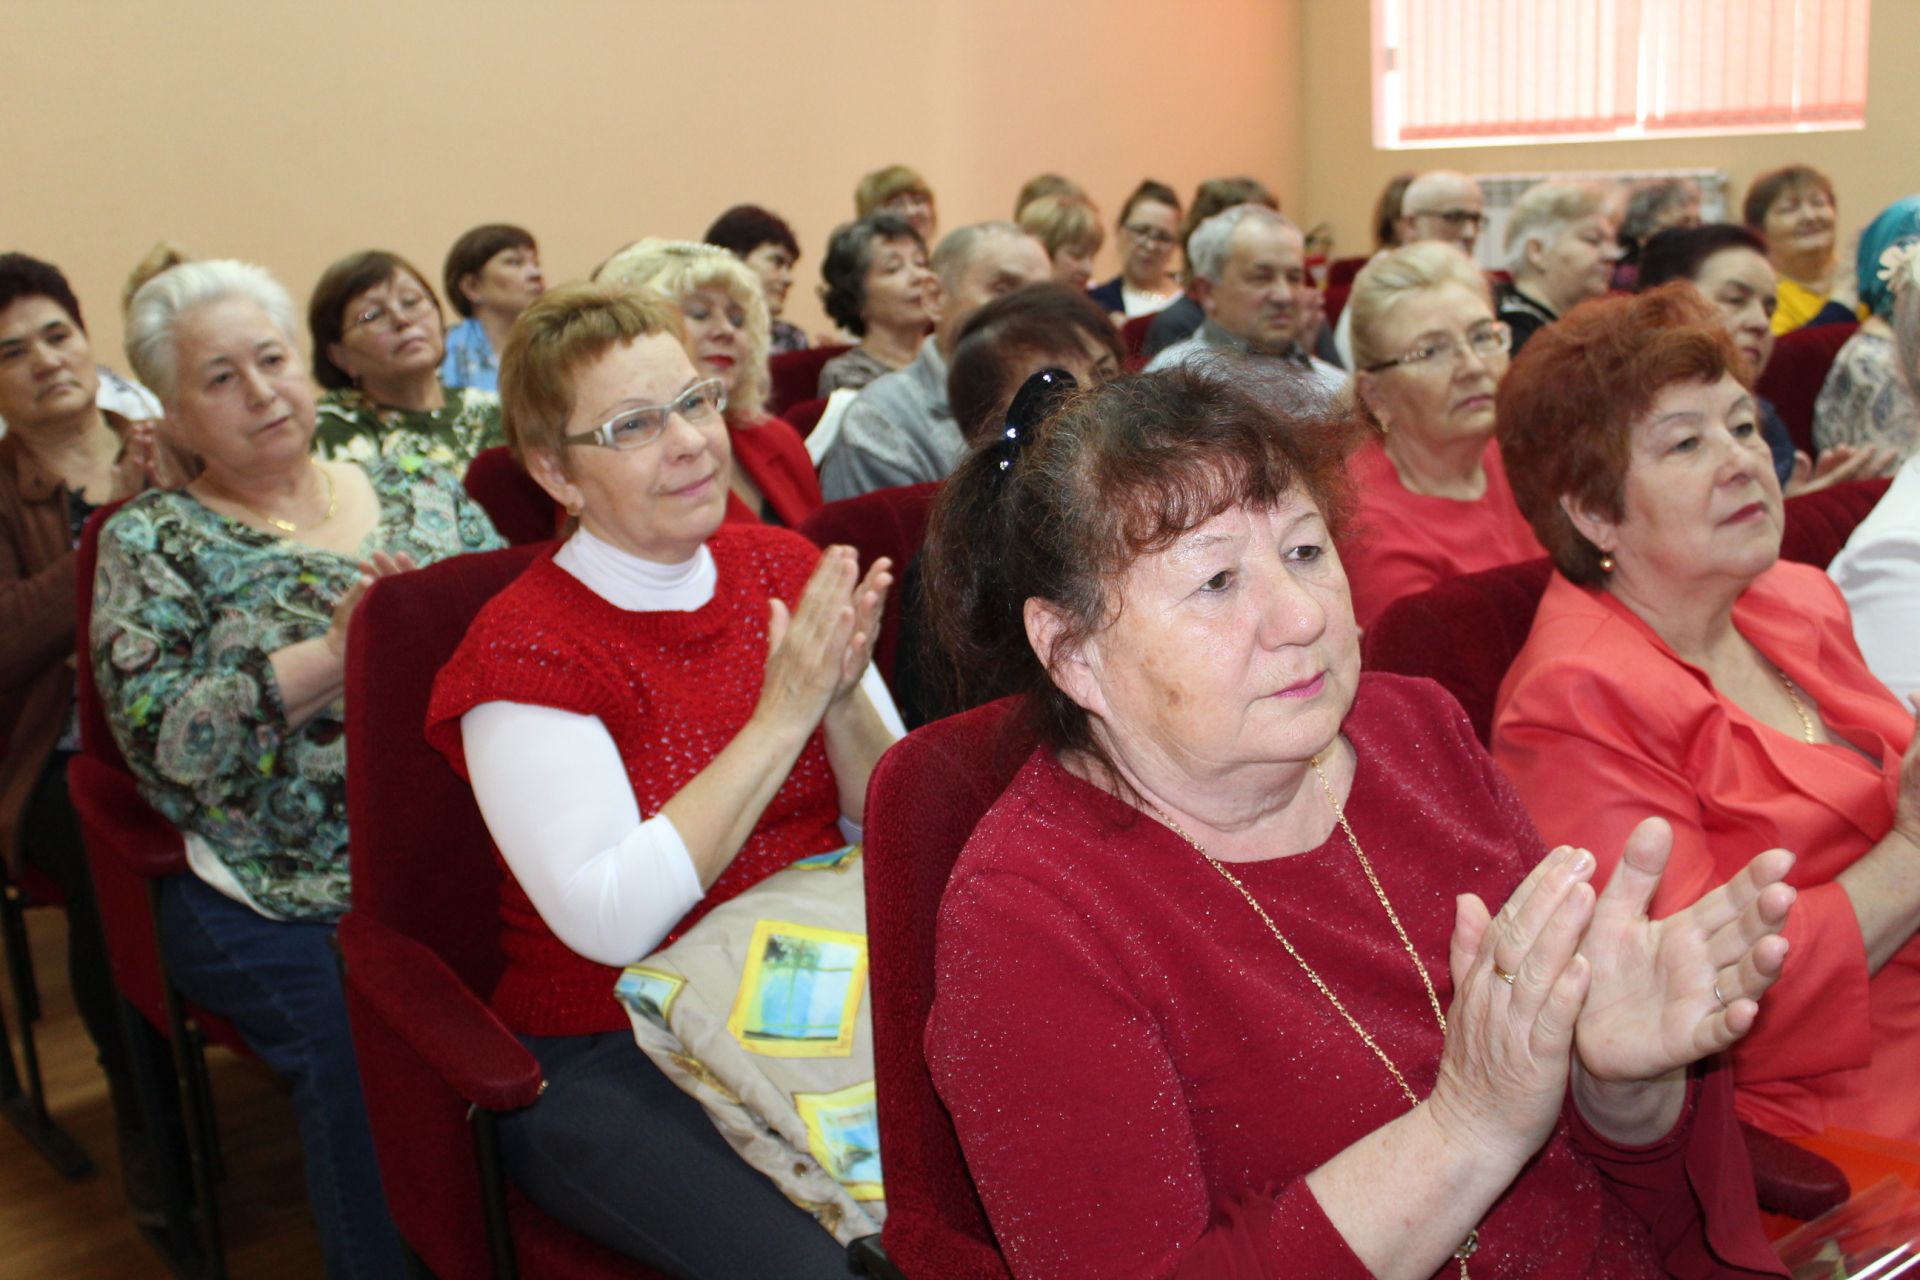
(657, 715)
(378, 345)
(724, 310)
(220, 621)
(1434, 500)
(1149, 233)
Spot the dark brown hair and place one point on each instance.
(1569, 402)
(473, 251)
(1771, 185)
(1121, 471)
(340, 284)
(1046, 320)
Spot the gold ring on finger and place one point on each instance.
(1508, 978)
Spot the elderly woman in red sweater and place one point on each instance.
(1677, 666)
(1434, 499)
(1217, 991)
(655, 716)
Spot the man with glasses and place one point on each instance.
(1249, 277)
(1441, 204)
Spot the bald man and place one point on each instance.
(1442, 204)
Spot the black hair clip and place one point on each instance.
(1037, 400)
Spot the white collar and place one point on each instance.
(625, 581)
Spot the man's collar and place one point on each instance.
(1213, 335)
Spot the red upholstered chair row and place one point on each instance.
(795, 376)
(886, 522)
(519, 508)
(925, 797)
(805, 416)
(421, 946)
(1796, 372)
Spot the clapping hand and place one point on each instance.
(1668, 992)
(869, 599)
(1838, 464)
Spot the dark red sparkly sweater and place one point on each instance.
(673, 689)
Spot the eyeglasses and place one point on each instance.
(1458, 219)
(1152, 235)
(638, 428)
(1487, 340)
(407, 308)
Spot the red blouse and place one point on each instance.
(1403, 542)
(1600, 724)
(1142, 1078)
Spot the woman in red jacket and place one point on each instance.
(1678, 667)
(1217, 990)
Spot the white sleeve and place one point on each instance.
(556, 798)
(877, 693)
(1881, 580)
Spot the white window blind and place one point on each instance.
(1460, 71)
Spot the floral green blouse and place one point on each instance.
(188, 605)
(353, 429)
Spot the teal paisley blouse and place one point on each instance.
(187, 606)
(353, 429)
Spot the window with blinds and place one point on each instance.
(1451, 72)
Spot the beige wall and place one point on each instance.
(290, 134)
(1870, 167)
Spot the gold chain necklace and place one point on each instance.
(288, 526)
(1472, 1243)
(1799, 708)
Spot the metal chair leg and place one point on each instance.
(178, 1240)
(203, 1138)
(493, 1193)
(23, 1104)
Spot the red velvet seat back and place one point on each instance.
(795, 376)
(1133, 339)
(886, 522)
(926, 796)
(1341, 272)
(422, 861)
(519, 508)
(1466, 633)
(1796, 372)
(806, 415)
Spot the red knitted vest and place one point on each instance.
(673, 689)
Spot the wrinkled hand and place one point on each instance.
(869, 600)
(807, 646)
(1838, 464)
(1652, 1007)
(379, 565)
(1503, 1073)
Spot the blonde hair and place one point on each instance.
(675, 269)
(556, 338)
(1394, 275)
(1063, 222)
(164, 254)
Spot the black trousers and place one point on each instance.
(616, 1151)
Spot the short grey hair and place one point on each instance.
(1546, 209)
(1649, 201)
(154, 315)
(959, 247)
(1207, 247)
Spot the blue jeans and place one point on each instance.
(279, 983)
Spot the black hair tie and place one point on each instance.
(1037, 400)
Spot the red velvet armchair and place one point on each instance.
(1796, 372)
(925, 797)
(795, 376)
(519, 508)
(886, 522)
(421, 947)
(131, 850)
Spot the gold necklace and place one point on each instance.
(1799, 708)
(288, 526)
(1472, 1243)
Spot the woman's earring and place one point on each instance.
(1606, 563)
